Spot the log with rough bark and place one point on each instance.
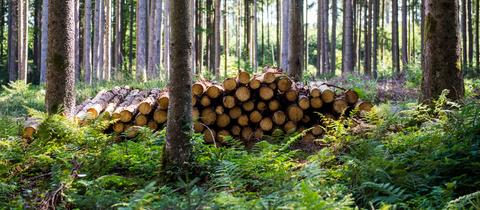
(247, 107)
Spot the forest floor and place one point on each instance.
(408, 156)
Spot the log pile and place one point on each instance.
(245, 107)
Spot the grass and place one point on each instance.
(409, 157)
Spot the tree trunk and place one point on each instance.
(359, 42)
(44, 42)
(60, 92)
(320, 34)
(395, 48)
(108, 40)
(154, 40)
(326, 57)
(464, 35)
(130, 44)
(2, 26)
(13, 41)
(333, 48)
(376, 9)
(404, 35)
(254, 47)
(141, 40)
(176, 157)
(368, 39)
(225, 37)
(285, 35)
(216, 38)
(118, 56)
(422, 34)
(37, 16)
(199, 35)
(441, 51)
(295, 50)
(77, 39)
(166, 54)
(277, 41)
(347, 62)
(477, 34)
(23, 40)
(470, 32)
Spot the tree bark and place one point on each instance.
(477, 34)
(368, 40)
(2, 26)
(404, 35)
(216, 38)
(44, 42)
(442, 51)
(376, 9)
(179, 126)
(295, 50)
(13, 41)
(141, 40)
(60, 92)
(166, 54)
(463, 10)
(23, 40)
(154, 47)
(108, 41)
(37, 16)
(347, 62)
(118, 54)
(395, 47)
(285, 35)
(470, 32)
(333, 48)
(77, 39)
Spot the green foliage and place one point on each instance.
(410, 156)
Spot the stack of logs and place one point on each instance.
(245, 107)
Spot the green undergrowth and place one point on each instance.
(398, 157)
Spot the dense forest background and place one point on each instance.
(123, 39)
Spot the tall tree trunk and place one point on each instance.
(141, 40)
(87, 43)
(382, 38)
(295, 50)
(320, 34)
(254, 39)
(96, 41)
(464, 35)
(44, 42)
(166, 54)
(108, 40)
(277, 51)
(368, 40)
(285, 35)
(35, 76)
(376, 9)
(130, 44)
(470, 32)
(76, 15)
(248, 32)
(395, 48)
(356, 33)
(13, 29)
(333, 47)
(225, 37)
(216, 40)
(326, 57)
(154, 40)
(477, 32)
(422, 34)
(199, 34)
(209, 45)
(179, 127)
(118, 54)
(359, 42)
(441, 51)
(2, 26)
(404, 35)
(23, 40)
(60, 92)
(347, 62)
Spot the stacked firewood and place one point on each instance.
(245, 107)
